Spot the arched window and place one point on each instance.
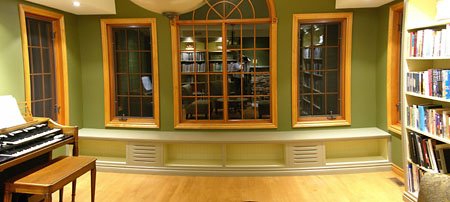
(225, 65)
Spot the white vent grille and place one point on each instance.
(305, 155)
(144, 154)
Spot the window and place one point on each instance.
(130, 66)
(393, 67)
(321, 69)
(45, 63)
(225, 66)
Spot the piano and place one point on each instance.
(28, 146)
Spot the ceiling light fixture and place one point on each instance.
(76, 3)
(170, 8)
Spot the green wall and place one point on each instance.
(381, 91)
(11, 61)
(363, 62)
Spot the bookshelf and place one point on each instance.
(425, 92)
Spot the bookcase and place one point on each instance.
(425, 93)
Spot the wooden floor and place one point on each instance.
(120, 187)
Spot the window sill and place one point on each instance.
(242, 125)
(397, 128)
(132, 123)
(310, 124)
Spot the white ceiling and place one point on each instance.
(97, 7)
(87, 7)
(360, 3)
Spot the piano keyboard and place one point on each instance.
(20, 142)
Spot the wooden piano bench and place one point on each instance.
(53, 177)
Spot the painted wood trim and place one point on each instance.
(399, 171)
(61, 65)
(393, 67)
(345, 76)
(108, 81)
(395, 129)
(175, 74)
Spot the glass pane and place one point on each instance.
(215, 39)
(200, 38)
(216, 85)
(48, 86)
(122, 106)
(262, 37)
(306, 53)
(319, 84)
(235, 108)
(120, 39)
(216, 108)
(262, 82)
(135, 107)
(37, 87)
(319, 105)
(247, 60)
(49, 108)
(202, 85)
(263, 104)
(187, 85)
(46, 58)
(333, 34)
(189, 108)
(234, 84)
(201, 67)
(146, 62)
(45, 34)
(33, 32)
(147, 107)
(122, 84)
(333, 104)
(262, 60)
(318, 53)
(234, 35)
(305, 105)
(234, 62)
(36, 60)
(248, 84)
(215, 67)
(202, 108)
(133, 62)
(318, 35)
(332, 82)
(132, 39)
(318, 67)
(147, 85)
(135, 85)
(305, 82)
(305, 36)
(145, 39)
(121, 62)
(248, 36)
(250, 108)
(187, 38)
(332, 58)
(38, 109)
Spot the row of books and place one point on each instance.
(190, 56)
(432, 82)
(429, 153)
(429, 118)
(429, 42)
(413, 179)
(191, 67)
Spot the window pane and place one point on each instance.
(187, 85)
(36, 60)
(263, 104)
(121, 62)
(144, 39)
(33, 32)
(216, 85)
(122, 84)
(319, 105)
(305, 105)
(202, 85)
(132, 39)
(49, 108)
(120, 39)
(234, 35)
(235, 108)
(135, 85)
(47, 58)
(48, 86)
(38, 109)
(135, 107)
(262, 37)
(305, 35)
(318, 34)
(133, 62)
(332, 82)
(202, 108)
(333, 104)
(234, 84)
(122, 107)
(147, 107)
(332, 58)
(262, 83)
(45, 29)
(250, 109)
(189, 108)
(37, 87)
(146, 62)
(333, 34)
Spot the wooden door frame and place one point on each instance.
(60, 54)
(393, 61)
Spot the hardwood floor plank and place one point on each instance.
(119, 187)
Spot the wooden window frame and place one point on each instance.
(108, 75)
(60, 53)
(393, 68)
(345, 70)
(239, 124)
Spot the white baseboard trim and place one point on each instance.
(114, 167)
